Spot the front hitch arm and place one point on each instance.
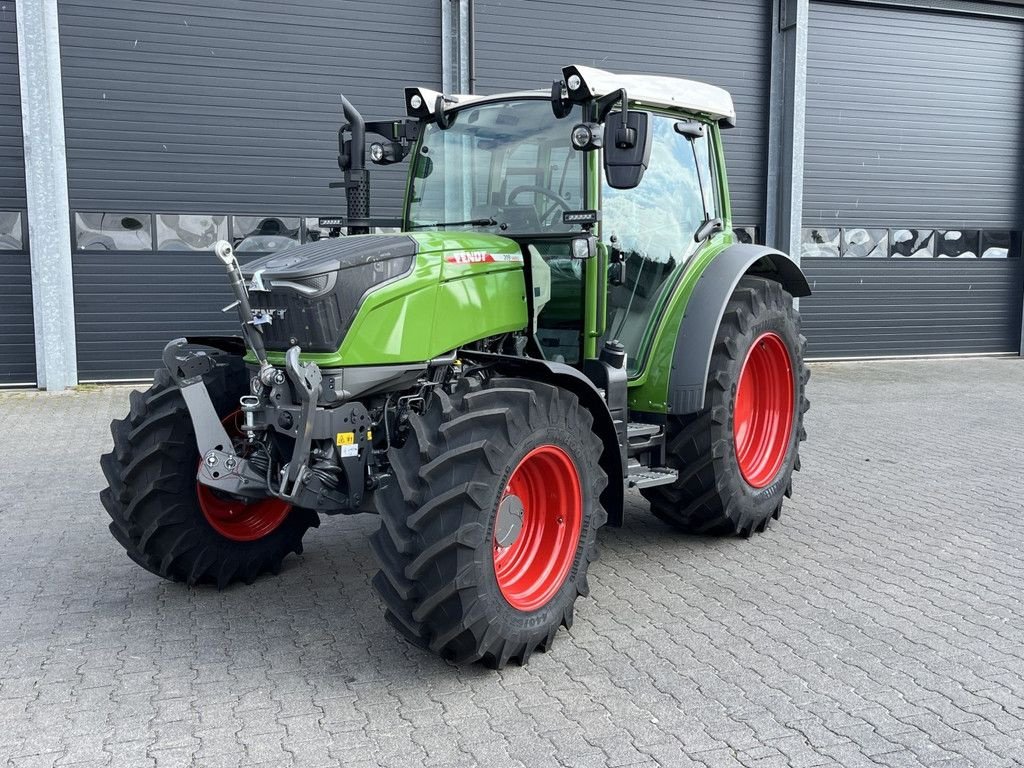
(306, 378)
(187, 368)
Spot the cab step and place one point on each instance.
(645, 438)
(637, 429)
(640, 476)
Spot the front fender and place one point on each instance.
(567, 377)
(691, 358)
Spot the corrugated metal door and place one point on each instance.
(525, 44)
(190, 120)
(17, 337)
(912, 197)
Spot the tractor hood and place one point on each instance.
(312, 295)
(331, 255)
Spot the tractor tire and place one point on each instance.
(490, 521)
(736, 457)
(169, 524)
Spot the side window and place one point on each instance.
(651, 228)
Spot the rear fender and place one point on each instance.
(691, 359)
(567, 377)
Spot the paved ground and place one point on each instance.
(880, 622)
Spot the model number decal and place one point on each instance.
(482, 257)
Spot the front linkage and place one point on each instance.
(286, 402)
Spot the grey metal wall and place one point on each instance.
(12, 165)
(525, 44)
(17, 337)
(869, 308)
(214, 107)
(914, 120)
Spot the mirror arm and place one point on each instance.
(606, 102)
(707, 229)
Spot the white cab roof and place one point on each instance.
(650, 90)
(658, 91)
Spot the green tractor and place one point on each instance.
(564, 314)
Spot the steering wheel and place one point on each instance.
(558, 201)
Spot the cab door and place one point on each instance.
(650, 231)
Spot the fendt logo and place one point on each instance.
(261, 316)
(482, 257)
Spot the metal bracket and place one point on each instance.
(232, 474)
(187, 368)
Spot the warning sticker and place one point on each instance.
(346, 438)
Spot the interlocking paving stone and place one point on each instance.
(879, 622)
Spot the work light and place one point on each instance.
(586, 136)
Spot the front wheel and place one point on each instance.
(489, 525)
(736, 457)
(169, 523)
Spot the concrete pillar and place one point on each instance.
(447, 46)
(786, 126)
(465, 45)
(46, 186)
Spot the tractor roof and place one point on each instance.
(651, 90)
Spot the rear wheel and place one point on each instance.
(489, 525)
(736, 458)
(170, 524)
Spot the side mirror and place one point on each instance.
(627, 148)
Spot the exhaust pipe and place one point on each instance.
(351, 160)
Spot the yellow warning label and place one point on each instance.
(346, 438)
(369, 434)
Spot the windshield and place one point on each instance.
(505, 167)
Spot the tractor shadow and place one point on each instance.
(319, 623)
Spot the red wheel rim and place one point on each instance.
(763, 413)
(237, 519)
(532, 564)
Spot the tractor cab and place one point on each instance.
(607, 209)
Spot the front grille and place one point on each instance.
(318, 323)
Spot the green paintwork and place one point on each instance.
(439, 307)
(648, 390)
(596, 283)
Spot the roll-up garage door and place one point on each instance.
(525, 44)
(17, 337)
(193, 120)
(912, 193)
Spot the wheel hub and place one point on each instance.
(509, 523)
